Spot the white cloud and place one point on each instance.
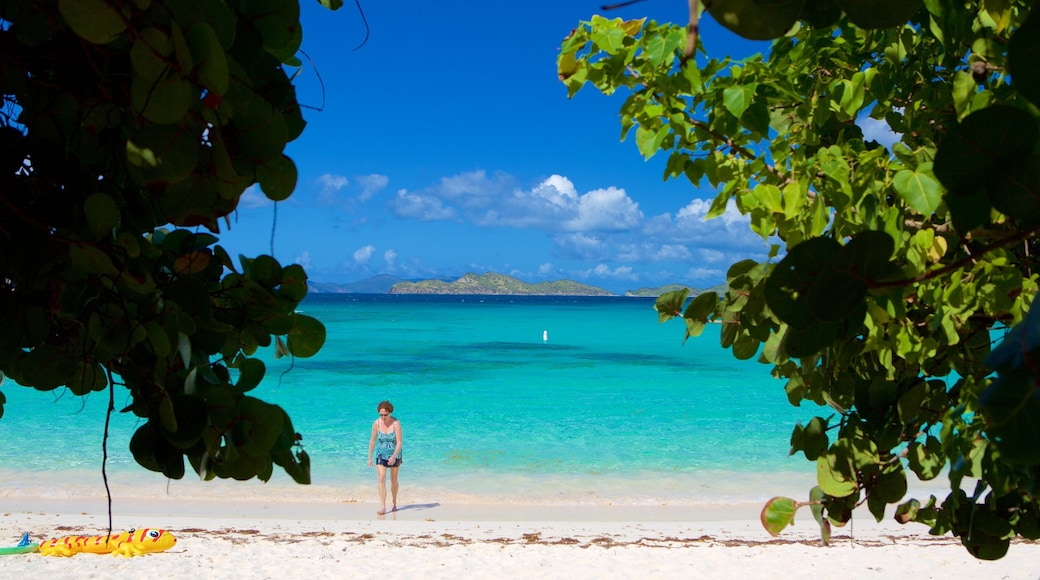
(371, 185)
(705, 274)
(581, 246)
(252, 197)
(605, 209)
(689, 227)
(711, 256)
(304, 259)
(606, 272)
(546, 269)
(473, 190)
(420, 207)
(364, 254)
(330, 187)
(390, 257)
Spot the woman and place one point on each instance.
(386, 442)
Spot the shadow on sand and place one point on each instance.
(414, 506)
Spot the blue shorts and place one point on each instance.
(382, 461)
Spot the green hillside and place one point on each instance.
(498, 284)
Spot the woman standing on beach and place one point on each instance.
(386, 442)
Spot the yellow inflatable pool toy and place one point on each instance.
(126, 544)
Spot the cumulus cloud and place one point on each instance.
(371, 185)
(581, 246)
(689, 227)
(553, 205)
(706, 274)
(304, 259)
(604, 225)
(421, 207)
(605, 209)
(605, 272)
(330, 186)
(364, 254)
(390, 257)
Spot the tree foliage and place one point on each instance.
(896, 268)
(130, 130)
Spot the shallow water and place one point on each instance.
(611, 408)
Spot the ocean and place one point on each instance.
(566, 400)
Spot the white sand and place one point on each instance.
(245, 539)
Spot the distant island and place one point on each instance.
(498, 284)
(488, 284)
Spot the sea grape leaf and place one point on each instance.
(306, 337)
(95, 21)
(757, 19)
(213, 72)
(872, 14)
(777, 514)
(789, 283)
(1023, 54)
(102, 214)
(670, 304)
(258, 426)
(1014, 188)
(821, 13)
(834, 473)
(982, 141)
(277, 177)
(926, 459)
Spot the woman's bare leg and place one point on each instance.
(381, 470)
(393, 486)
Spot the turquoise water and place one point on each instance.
(612, 407)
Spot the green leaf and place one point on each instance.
(278, 22)
(212, 66)
(161, 154)
(926, 459)
(251, 372)
(777, 514)
(821, 13)
(277, 178)
(102, 214)
(306, 337)
(982, 141)
(670, 304)
(756, 19)
(660, 47)
(790, 281)
(1023, 54)
(95, 21)
(258, 426)
(919, 189)
(834, 473)
(90, 259)
(1014, 188)
(872, 14)
(738, 98)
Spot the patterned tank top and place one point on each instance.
(385, 445)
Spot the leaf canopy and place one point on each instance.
(131, 131)
(901, 261)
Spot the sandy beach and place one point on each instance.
(236, 539)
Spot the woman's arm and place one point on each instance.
(372, 442)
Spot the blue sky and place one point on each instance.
(446, 145)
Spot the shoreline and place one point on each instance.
(247, 539)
